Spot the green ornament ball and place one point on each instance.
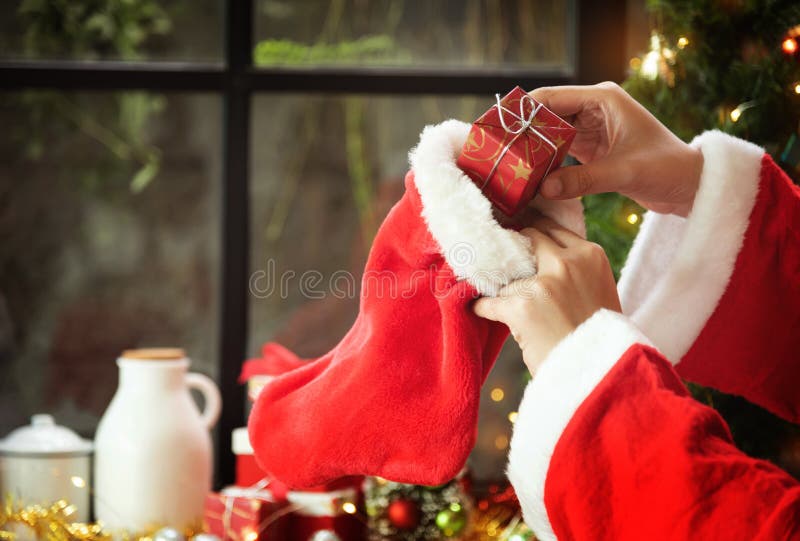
(451, 520)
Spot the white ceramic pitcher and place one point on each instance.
(153, 462)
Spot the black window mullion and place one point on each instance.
(111, 75)
(180, 77)
(389, 80)
(235, 230)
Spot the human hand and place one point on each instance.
(573, 281)
(622, 148)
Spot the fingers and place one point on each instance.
(489, 308)
(508, 306)
(570, 100)
(546, 250)
(541, 243)
(497, 309)
(563, 236)
(605, 175)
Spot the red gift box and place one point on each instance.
(512, 147)
(335, 511)
(245, 515)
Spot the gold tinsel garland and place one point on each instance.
(52, 523)
(494, 519)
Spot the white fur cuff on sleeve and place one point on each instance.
(566, 377)
(678, 268)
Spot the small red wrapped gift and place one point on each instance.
(237, 514)
(334, 512)
(512, 147)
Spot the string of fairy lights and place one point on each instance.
(660, 58)
(790, 47)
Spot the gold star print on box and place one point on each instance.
(521, 170)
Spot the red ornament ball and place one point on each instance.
(403, 514)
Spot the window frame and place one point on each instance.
(236, 79)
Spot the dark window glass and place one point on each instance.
(109, 217)
(536, 34)
(181, 30)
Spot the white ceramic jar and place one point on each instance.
(153, 462)
(42, 463)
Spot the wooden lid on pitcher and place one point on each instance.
(154, 354)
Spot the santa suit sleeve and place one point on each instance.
(608, 444)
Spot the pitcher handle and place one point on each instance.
(211, 396)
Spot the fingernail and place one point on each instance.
(552, 187)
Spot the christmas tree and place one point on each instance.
(731, 65)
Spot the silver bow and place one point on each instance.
(525, 124)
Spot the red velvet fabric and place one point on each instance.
(398, 396)
(641, 459)
(751, 344)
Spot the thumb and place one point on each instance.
(576, 180)
(564, 101)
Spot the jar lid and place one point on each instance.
(44, 437)
(154, 354)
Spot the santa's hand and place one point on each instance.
(623, 148)
(574, 280)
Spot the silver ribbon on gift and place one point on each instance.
(525, 124)
(328, 504)
(253, 492)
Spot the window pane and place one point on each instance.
(536, 34)
(183, 30)
(109, 216)
(326, 170)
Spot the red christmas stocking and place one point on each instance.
(398, 396)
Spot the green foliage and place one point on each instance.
(91, 30)
(607, 224)
(733, 59)
(367, 49)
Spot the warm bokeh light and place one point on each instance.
(652, 59)
(789, 46)
(797, 88)
(513, 416)
(736, 114)
(501, 442)
(635, 63)
(683, 41)
(650, 65)
(349, 508)
(497, 394)
(632, 218)
(79, 482)
(250, 534)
